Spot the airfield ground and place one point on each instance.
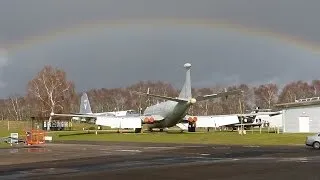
(168, 155)
(116, 160)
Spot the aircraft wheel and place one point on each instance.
(161, 130)
(137, 130)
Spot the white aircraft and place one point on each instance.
(86, 114)
(169, 113)
(233, 121)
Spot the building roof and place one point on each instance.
(300, 103)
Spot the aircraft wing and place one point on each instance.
(212, 121)
(223, 94)
(246, 114)
(161, 97)
(76, 115)
(225, 120)
(145, 119)
(248, 124)
(127, 121)
(260, 113)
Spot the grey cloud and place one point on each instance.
(113, 57)
(119, 57)
(36, 17)
(3, 64)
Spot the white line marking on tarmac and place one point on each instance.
(299, 159)
(155, 147)
(190, 146)
(251, 146)
(129, 150)
(205, 154)
(221, 147)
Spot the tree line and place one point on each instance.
(51, 91)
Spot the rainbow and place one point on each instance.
(94, 25)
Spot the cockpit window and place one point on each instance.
(131, 112)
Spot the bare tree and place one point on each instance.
(316, 87)
(296, 90)
(266, 95)
(51, 88)
(14, 106)
(3, 109)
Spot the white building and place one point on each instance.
(301, 116)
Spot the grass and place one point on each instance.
(218, 137)
(14, 126)
(227, 138)
(4, 145)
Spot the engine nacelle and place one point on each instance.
(192, 119)
(148, 120)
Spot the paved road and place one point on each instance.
(101, 160)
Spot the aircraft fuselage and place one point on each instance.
(172, 111)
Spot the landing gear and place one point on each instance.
(192, 127)
(161, 130)
(137, 130)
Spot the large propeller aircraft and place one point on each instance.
(165, 114)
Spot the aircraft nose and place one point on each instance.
(193, 100)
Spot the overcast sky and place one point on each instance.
(149, 42)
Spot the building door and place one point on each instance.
(304, 124)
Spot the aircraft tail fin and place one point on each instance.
(85, 107)
(186, 89)
(185, 94)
